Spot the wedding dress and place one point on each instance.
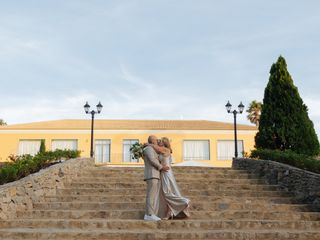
(171, 203)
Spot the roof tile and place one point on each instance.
(78, 124)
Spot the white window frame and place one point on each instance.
(105, 158)
(199, 158)
(227, 158)
(61, 140)
(28, 140)
(131, 160)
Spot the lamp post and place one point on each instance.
(235, 112)
(92, 112)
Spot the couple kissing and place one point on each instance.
(163, 198)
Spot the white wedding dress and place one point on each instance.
(171, 203)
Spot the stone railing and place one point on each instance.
(303, 184)
(20, 195)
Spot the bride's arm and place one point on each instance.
(161, 150)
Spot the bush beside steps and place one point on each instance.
(22, 166)
(288, 157)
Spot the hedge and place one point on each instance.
(22, 166)
(288, 157)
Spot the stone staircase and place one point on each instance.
(108, 203)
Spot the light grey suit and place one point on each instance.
(152, 169)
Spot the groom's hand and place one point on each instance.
(165, 168)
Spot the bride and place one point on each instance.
(171, 203)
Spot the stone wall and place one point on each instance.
(20, 195)
(303, 184)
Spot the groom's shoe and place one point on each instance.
(151, 218)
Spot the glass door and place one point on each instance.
(102, 150)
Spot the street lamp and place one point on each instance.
(235, 112)
(92, 112)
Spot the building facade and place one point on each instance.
(207, 142)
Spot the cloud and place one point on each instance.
(151, 59)
(45, 108)
(133, 79)
(313, 105)
(314, 112)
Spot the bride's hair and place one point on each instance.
(166, 143)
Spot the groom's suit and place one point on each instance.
(152, 169)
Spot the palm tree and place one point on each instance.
(254, 112)
(2, 122)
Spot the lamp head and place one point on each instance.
(241, 107)
(228, 107)
(86, 107)
(99, 107)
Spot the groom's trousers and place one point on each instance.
(152, 198)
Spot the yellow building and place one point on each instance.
(199, 141)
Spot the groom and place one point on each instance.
(152, 168)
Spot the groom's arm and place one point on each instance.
(149, 156)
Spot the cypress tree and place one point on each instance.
(42, 146)
(284, 122)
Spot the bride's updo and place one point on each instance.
(166, 143)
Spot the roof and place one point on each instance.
(78, 124)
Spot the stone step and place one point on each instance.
(141, 172)
(179, 180)
(66, 234)
(138, 214)
(177, 175)
(109, 202)
(136, 198)
(196, 206)
(174, 168)
(161, 225)
(186, 192)
(182, 186)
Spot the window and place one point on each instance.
(226, 149)
(69, 144)
(102, 150)
(196, 150)
(127, 155)
(31, 147)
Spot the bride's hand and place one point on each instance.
(165, 168)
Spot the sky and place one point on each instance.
(152, 59)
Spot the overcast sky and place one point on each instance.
(174, 59)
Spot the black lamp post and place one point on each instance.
(235, 112)
(92, 112)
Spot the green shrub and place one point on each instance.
(2, 164)
(22, 166)
(288, 157)
(8, 174)
(42, 146)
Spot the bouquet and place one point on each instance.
(137, 150)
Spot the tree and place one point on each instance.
(2, 123)
(254, 112)
(42, 146)
(284, 122)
